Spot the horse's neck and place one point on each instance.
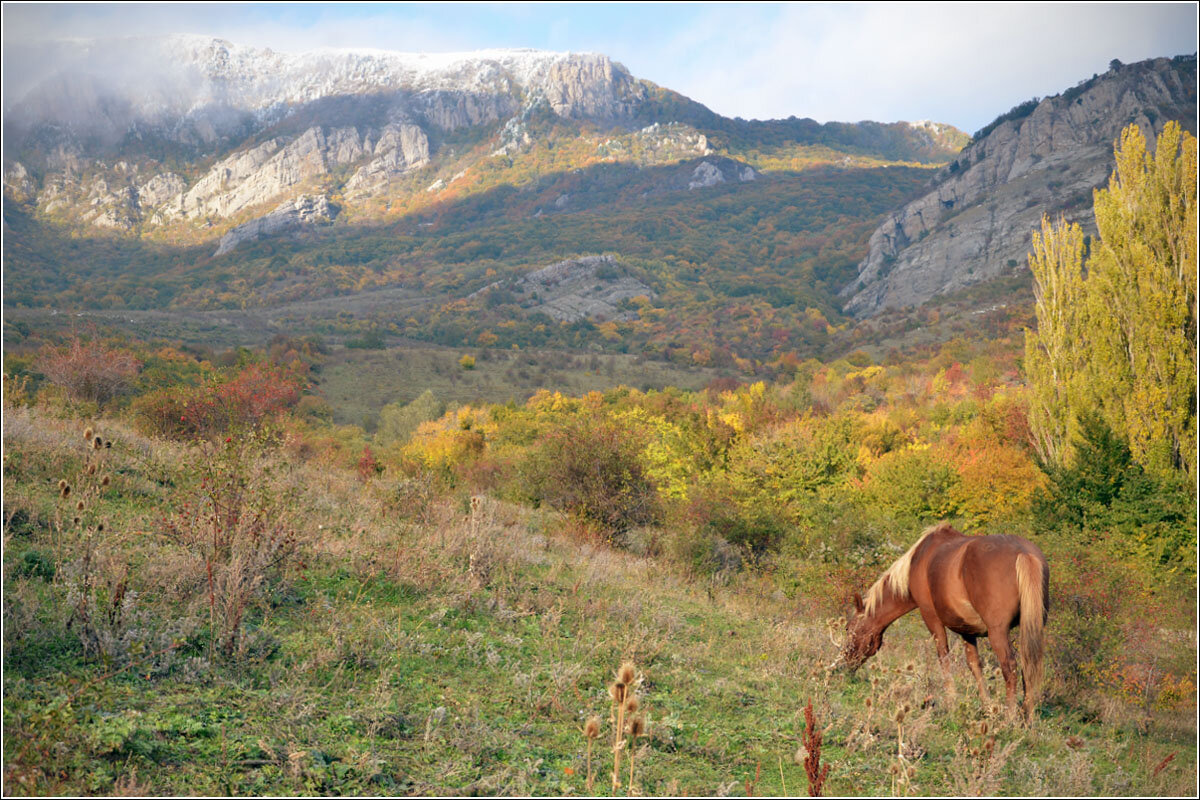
(890, 609)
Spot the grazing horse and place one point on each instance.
(973, 585)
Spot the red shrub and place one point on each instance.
(255, 394)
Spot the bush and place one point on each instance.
(89, 371)
(237, 527)
(913, 486)
(251, 396)
(590, 468)
(1104, 489)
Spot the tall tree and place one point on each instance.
(1054, 353)
(1120, 337)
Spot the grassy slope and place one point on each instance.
(358, 383)
(425, 647)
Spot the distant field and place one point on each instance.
(358, 383)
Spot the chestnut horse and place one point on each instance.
(973, 585)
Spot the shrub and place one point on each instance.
(397, 422)
(88, 370)
(237, 526)
(251, 396)
(591, 468)
(914, 486)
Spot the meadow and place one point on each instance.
(262, 601)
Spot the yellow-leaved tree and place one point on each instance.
(1119, 338)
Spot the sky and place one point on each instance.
(958, 63)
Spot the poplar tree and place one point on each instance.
(1119, 337)
(1054, 353)
(1142, 299)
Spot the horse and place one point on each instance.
(973, 585)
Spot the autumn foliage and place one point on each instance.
(252, 395)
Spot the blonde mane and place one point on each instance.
(896, 577)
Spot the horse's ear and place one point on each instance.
(858, 603)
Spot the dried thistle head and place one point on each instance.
(626, 673)
(911, 773)
(76, 521)
(990, 744)
(867, 702)
(97, 443)
(631, 704)
(894, 769)
(637, 727)
(910, 667)
(87, 433)
(591, 728)
(105, 481)
(617, 691)
(983, 728)
(62, 484)
(898, 717)
(79, 506)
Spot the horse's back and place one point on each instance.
(989, 574)
(971, 581)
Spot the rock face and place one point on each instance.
(975, 222)
(709, 174)
(591, 287)
(192, 135)
(291, 215)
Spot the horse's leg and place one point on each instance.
(972, 652)
(1004, 654)
(943, 648)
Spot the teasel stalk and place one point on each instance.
(618, 691)
(591, 730)
(637, 727)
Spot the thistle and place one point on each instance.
(626, 674)
(637, 727)
(620, 693)
(591, 730)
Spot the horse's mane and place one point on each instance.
(896, 576)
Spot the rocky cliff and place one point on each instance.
(1045, 158)
(187, 138)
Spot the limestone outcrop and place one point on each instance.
(976, 220)
(291, 215)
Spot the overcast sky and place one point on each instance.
(957, 63)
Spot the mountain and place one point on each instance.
(435, 198)
(186, 137)
(1043, 157)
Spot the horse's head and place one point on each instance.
(863, 638)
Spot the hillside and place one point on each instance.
(1042, 157)
(242, 179)
(222, 132)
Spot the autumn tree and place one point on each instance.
(1054, 352)
(1119, 337)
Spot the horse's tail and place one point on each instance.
(1033, 583)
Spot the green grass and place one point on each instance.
(440, 650)
(358, 383)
